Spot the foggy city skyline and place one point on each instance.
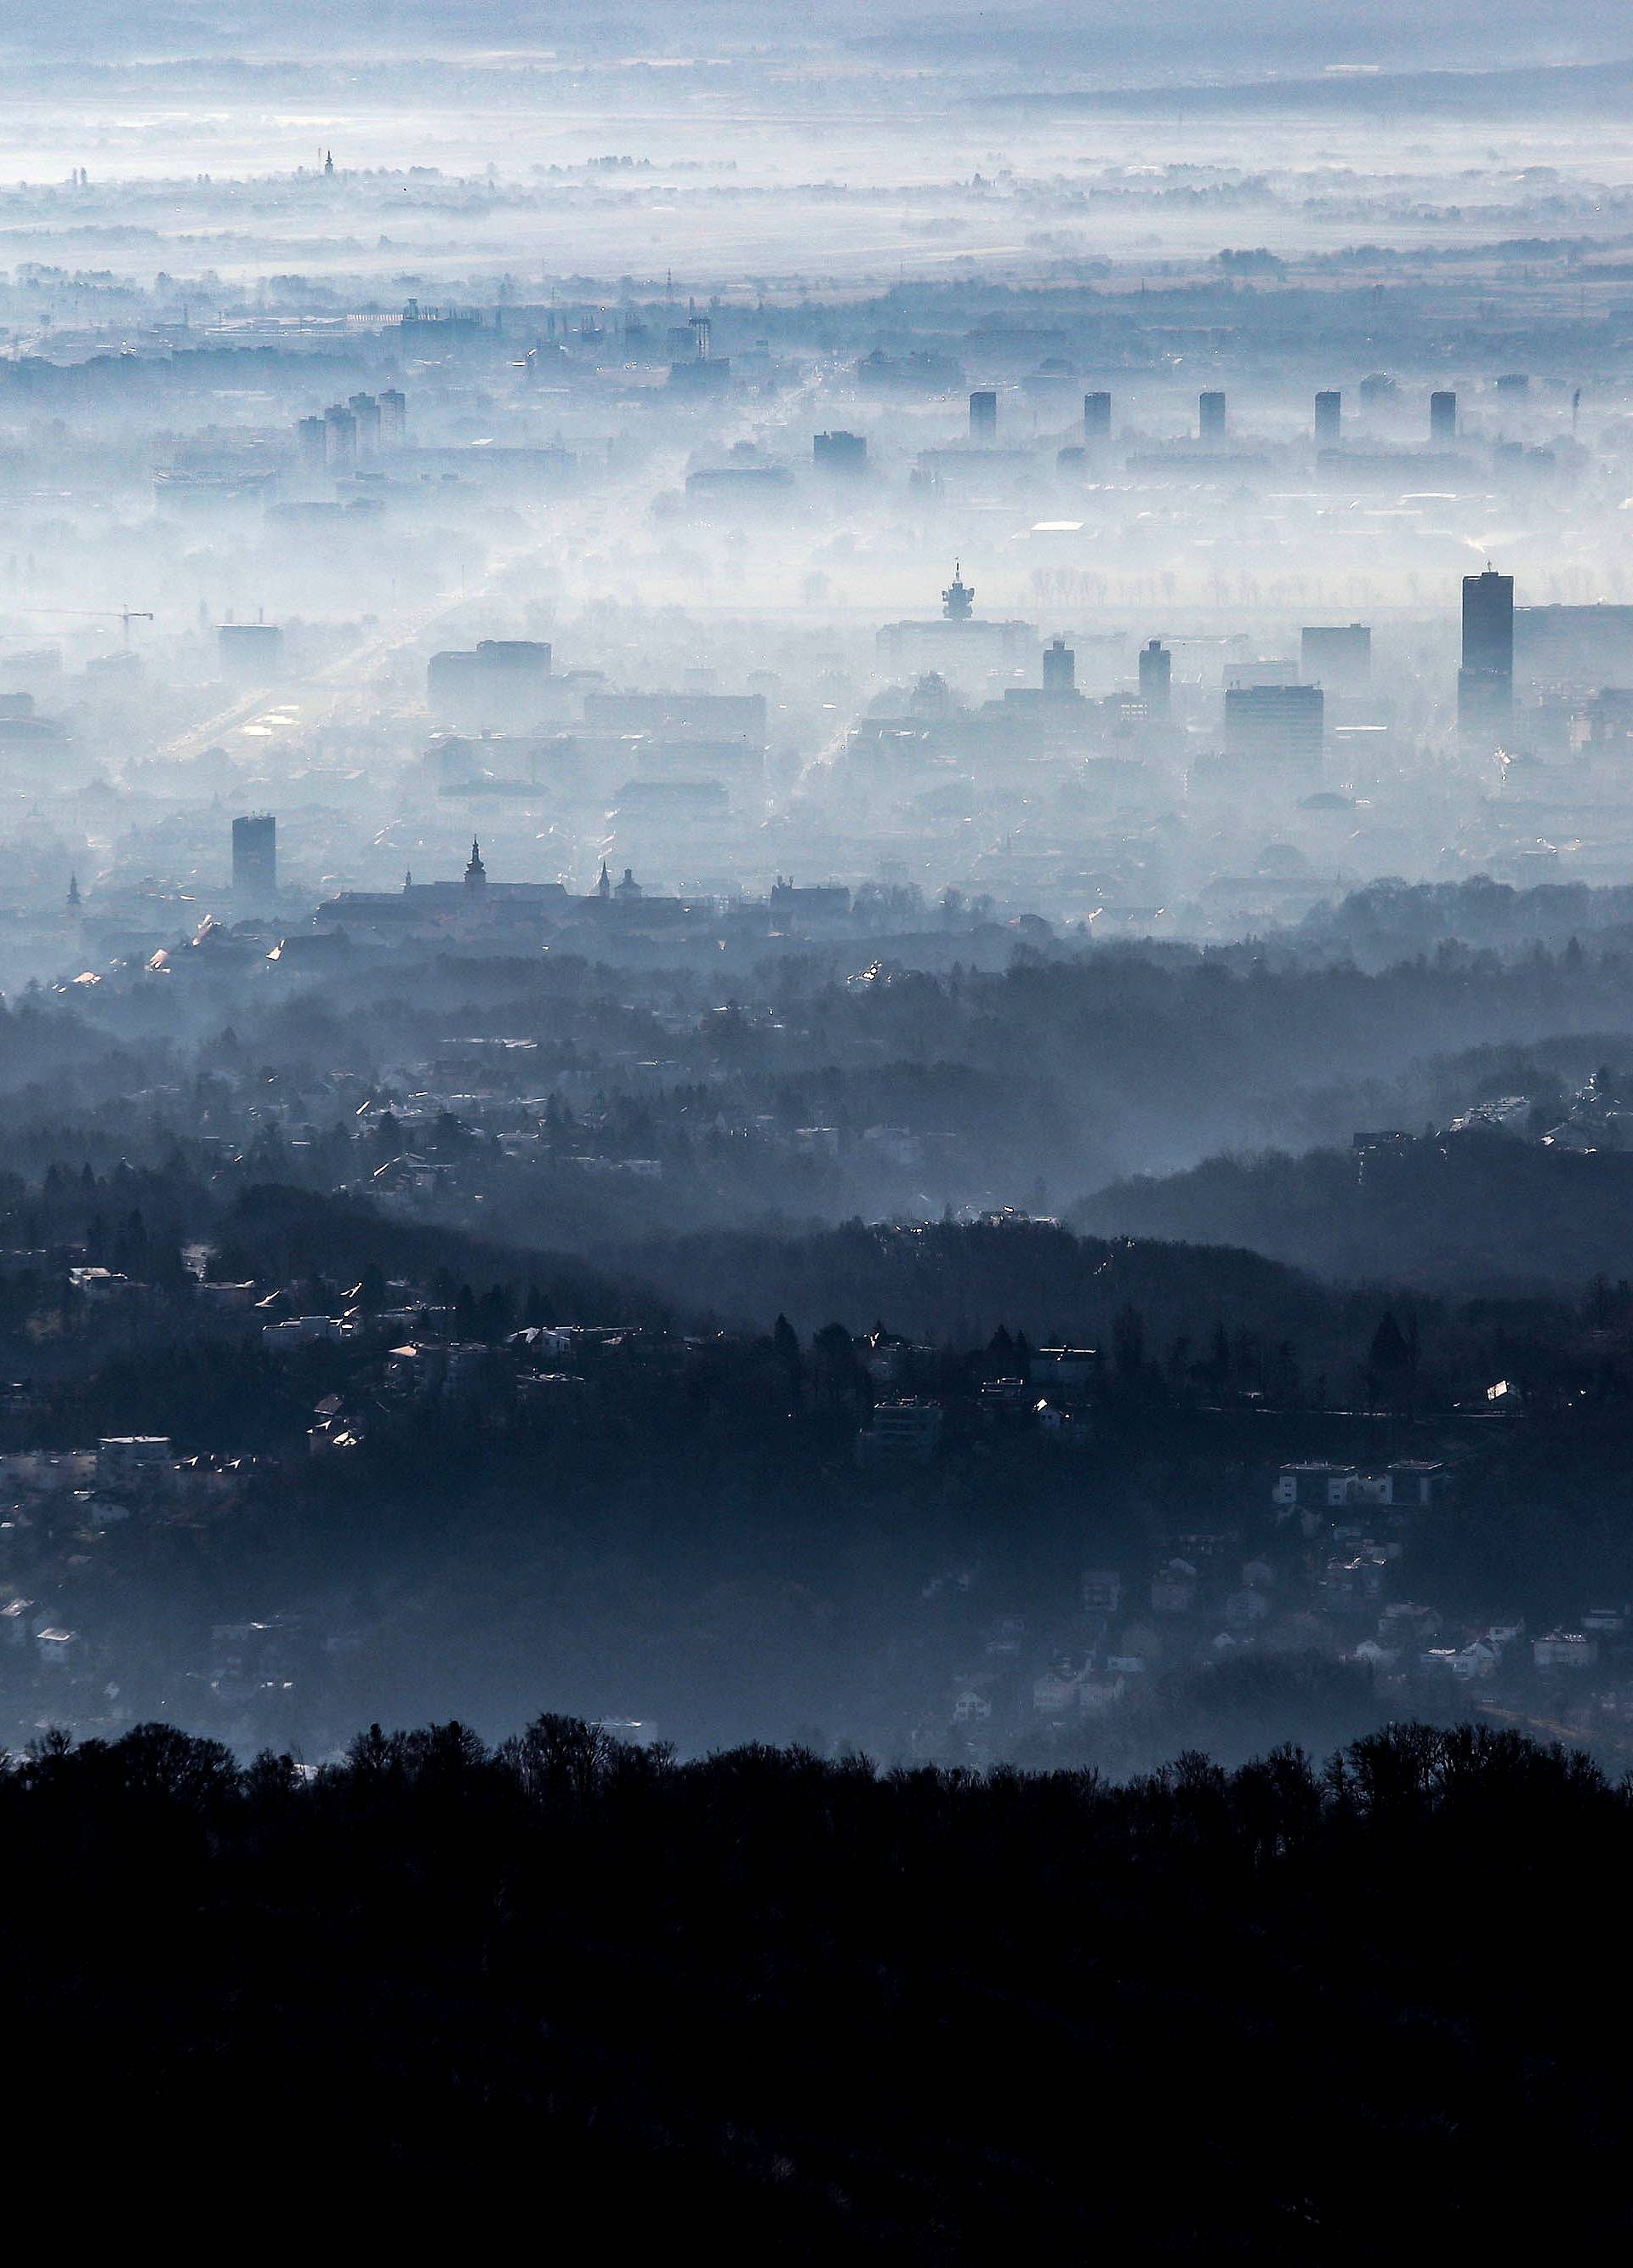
(816, 905)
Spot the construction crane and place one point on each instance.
(124, 615)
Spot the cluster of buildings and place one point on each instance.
(1326, 1579)
(52, 1500)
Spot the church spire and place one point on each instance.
(475, 873)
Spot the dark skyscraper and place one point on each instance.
(256, 859)
(983, 416)
(1488, 622)
(1485, 683)
(1442, 416)
(1210, 417)
(1328, 419)
(1097, 416)
(1155, 677)
(1060, 667)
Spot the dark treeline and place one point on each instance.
(947, 1281)
(1392, 920)
(1467, 1210)
(818, 2011)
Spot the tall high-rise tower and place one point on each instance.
(1485, 683)
(1155, 677)
(1488, 622)
(256, 859)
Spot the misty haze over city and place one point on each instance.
(816, 1013)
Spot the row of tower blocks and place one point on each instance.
(358, 432)
(1283, 724)
(1211, 414)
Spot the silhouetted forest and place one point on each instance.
(1470, 1211)
(806, 2010)
(946, 1280)
(1392, 920)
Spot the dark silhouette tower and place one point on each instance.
(1155, 677)
(256, 859)
(1443, 418)
(1328, 419)
(1096, 418)
(958, 600)
(1059, 668)
(1210, 417)
(1485, 683)
(983, 417)
(475, 872)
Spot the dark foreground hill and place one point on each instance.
(766, 2006)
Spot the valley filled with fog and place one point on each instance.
(816, 1119)
(817, 877)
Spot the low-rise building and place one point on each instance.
(134, 1463)
(40, 1471)
(1566, 1650)
(1066, 1371)
(308, 1330)
(907, 1427)
(428, 1367)
(1313, 1485)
